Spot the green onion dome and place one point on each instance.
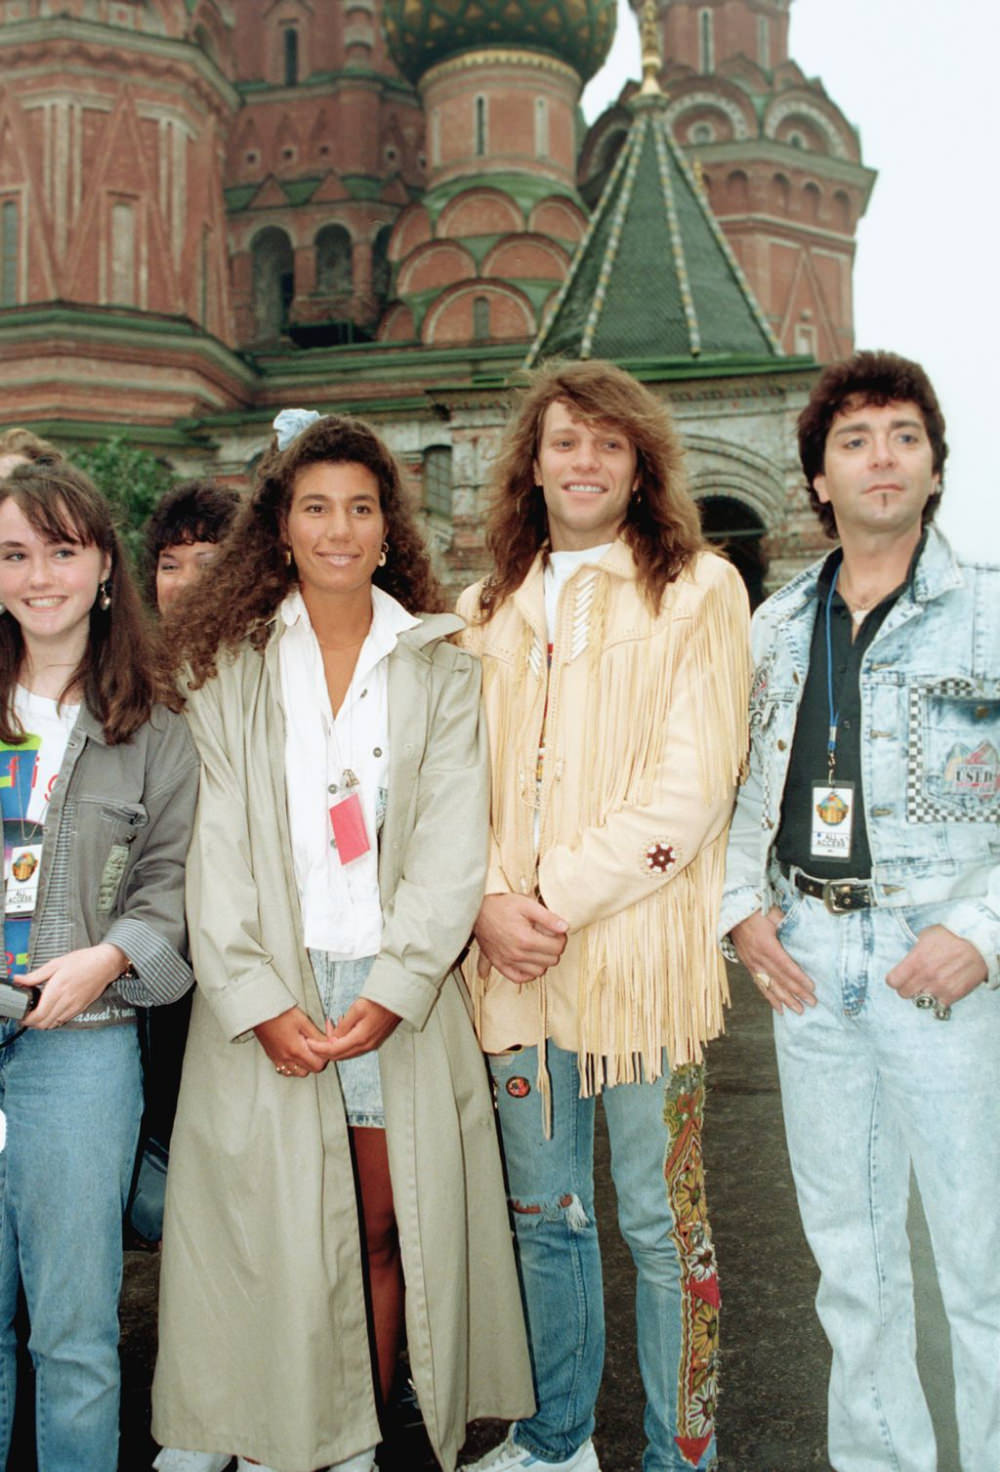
(423, 32)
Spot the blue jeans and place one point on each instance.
(869, 1083)
(655, 1134)
(72, 1098)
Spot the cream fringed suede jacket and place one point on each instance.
(621, 828)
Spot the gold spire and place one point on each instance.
(652, 57)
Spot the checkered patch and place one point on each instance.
(953, 757)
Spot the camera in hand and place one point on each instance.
(17, 1001)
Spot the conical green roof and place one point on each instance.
(654, 277)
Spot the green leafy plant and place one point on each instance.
(133, 481)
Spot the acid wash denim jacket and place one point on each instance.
(930, 747)
(117, 832)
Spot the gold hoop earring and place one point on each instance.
(384, 556)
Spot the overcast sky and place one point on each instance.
(916, 81)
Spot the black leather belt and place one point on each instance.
(839, 895)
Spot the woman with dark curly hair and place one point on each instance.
(337, 865)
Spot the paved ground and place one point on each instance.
(771, 1415)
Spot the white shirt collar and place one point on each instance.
(389, 620)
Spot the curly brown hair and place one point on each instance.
(867, 377)
(194, 511)
(662, 526)
(238, 597)
(121, 673)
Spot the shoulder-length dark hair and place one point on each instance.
(237, 597)
(119, 674)
(662, 526)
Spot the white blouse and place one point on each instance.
(341, 908)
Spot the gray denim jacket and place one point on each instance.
(930, 747)
(112, 869)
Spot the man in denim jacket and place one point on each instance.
(863, 896)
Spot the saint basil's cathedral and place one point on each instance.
(214, 209)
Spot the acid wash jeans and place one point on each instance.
(72, 1097)
(656, 1164)
(869, 1084)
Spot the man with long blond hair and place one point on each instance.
(615, 672)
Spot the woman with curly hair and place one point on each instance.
(336, 868)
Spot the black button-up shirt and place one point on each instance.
(808, 763)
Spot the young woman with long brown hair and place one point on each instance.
(337, 865)
(97, 786)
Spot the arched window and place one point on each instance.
(706, 41)
(779, 193)
(738, 191)
(842, 205)
(811, 202)
(334, 275)
(381, 265)
(481, 318)
(541, 127)
(290, 42)
(273, 282)
(480, 127)
(738, 532)
(805, 339)
(437, 480)
(122, 274)
(8, 253)
(702, 133)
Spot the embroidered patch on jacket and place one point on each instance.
(111, 878)
(660, 857)
(953, 758)
(684, 1173)
(518, 1087)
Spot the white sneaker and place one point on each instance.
(509, 1457)
(171, 1459)
(360, 1462)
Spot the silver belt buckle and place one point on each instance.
(830, 896)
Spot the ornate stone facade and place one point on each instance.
(210, 209)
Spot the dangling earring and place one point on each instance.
(104, 595)
(384, 554)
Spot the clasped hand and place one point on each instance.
(296, 1046)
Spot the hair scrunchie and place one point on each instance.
(290, 423)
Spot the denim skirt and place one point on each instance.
(340, 984)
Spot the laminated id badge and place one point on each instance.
(22, 867)
(350, 836)
(832, 820)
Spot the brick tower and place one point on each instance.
(114, 289)
(779, 161)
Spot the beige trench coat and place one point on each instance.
(263, 1337)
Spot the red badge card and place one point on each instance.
(350, 836)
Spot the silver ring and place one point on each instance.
(280, 1068)
(942, 1012)
(925, 1001)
